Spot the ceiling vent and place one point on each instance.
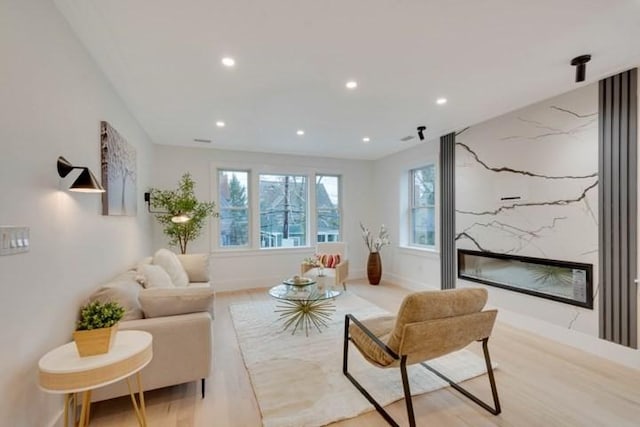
(407, 138)
(206, 141)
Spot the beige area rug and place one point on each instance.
(298, 380)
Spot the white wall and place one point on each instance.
(242, 269)
(52, 98)
(409, 267)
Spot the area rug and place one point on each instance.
(298, 380)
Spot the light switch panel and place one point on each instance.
(14, 240)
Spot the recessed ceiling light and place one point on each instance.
(441, 101)
(228, 62)
(366, 139)
(352, 84)
(300, 132)
(220, 124)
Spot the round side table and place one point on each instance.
(63, 371)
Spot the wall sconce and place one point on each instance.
(180, 218)
(86, 181)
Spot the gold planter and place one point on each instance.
(95, 341)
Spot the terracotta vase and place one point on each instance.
(374, 268)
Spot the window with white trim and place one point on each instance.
(422, 209)
(233, 205)
(328, 213)
(283, 210)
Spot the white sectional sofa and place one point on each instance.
(178, 318)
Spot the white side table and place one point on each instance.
(63, 371)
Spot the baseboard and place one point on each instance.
(614, 352)
(57, 419)
(406, 283)
(229, 285)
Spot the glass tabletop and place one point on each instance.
(314, 292)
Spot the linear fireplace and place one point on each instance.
(563, 281)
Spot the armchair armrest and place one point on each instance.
(374, 339)
(304, 267)
(342, 271)
(196, 266)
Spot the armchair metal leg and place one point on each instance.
(202, 383)
(494, 391)
(365, 393)
(407, 392)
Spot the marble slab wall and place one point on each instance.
(527, 184)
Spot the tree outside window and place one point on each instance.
(422, 206)
(234, 208)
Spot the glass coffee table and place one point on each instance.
(304, 305)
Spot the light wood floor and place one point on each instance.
(540, 382)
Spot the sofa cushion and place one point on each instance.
(154, 276)
(124, 290)
(171, 264)
(172, 301)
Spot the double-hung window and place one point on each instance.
(283, 210)
(422, 212)
(328, 213)
(234, 208)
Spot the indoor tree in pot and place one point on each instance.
(181, 202)
(97, 327)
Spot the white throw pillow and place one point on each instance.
(154, 276)
(171, 264)
(173, 301)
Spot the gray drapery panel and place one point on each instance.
(617, 207)
(448, 211)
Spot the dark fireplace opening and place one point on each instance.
(563, 281)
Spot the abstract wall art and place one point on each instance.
(118, 161)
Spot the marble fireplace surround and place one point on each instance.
(527, 185)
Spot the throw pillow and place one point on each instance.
(124, 290)
(196, 266)
(171, 264)
(329, 260)
(154, 276)
(173, 301)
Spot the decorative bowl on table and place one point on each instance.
(299, 281)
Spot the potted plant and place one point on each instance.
(97, 327)
(181, 202)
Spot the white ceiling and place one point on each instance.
(293, 58)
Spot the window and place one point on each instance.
(422, 206)
(283, 211)
(328, 218)
(234, 208)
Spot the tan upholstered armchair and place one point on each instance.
(429, 324)
(340, 273)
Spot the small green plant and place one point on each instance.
(97, 315)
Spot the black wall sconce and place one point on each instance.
(86, 181)
(179, 218)
(580, 62)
